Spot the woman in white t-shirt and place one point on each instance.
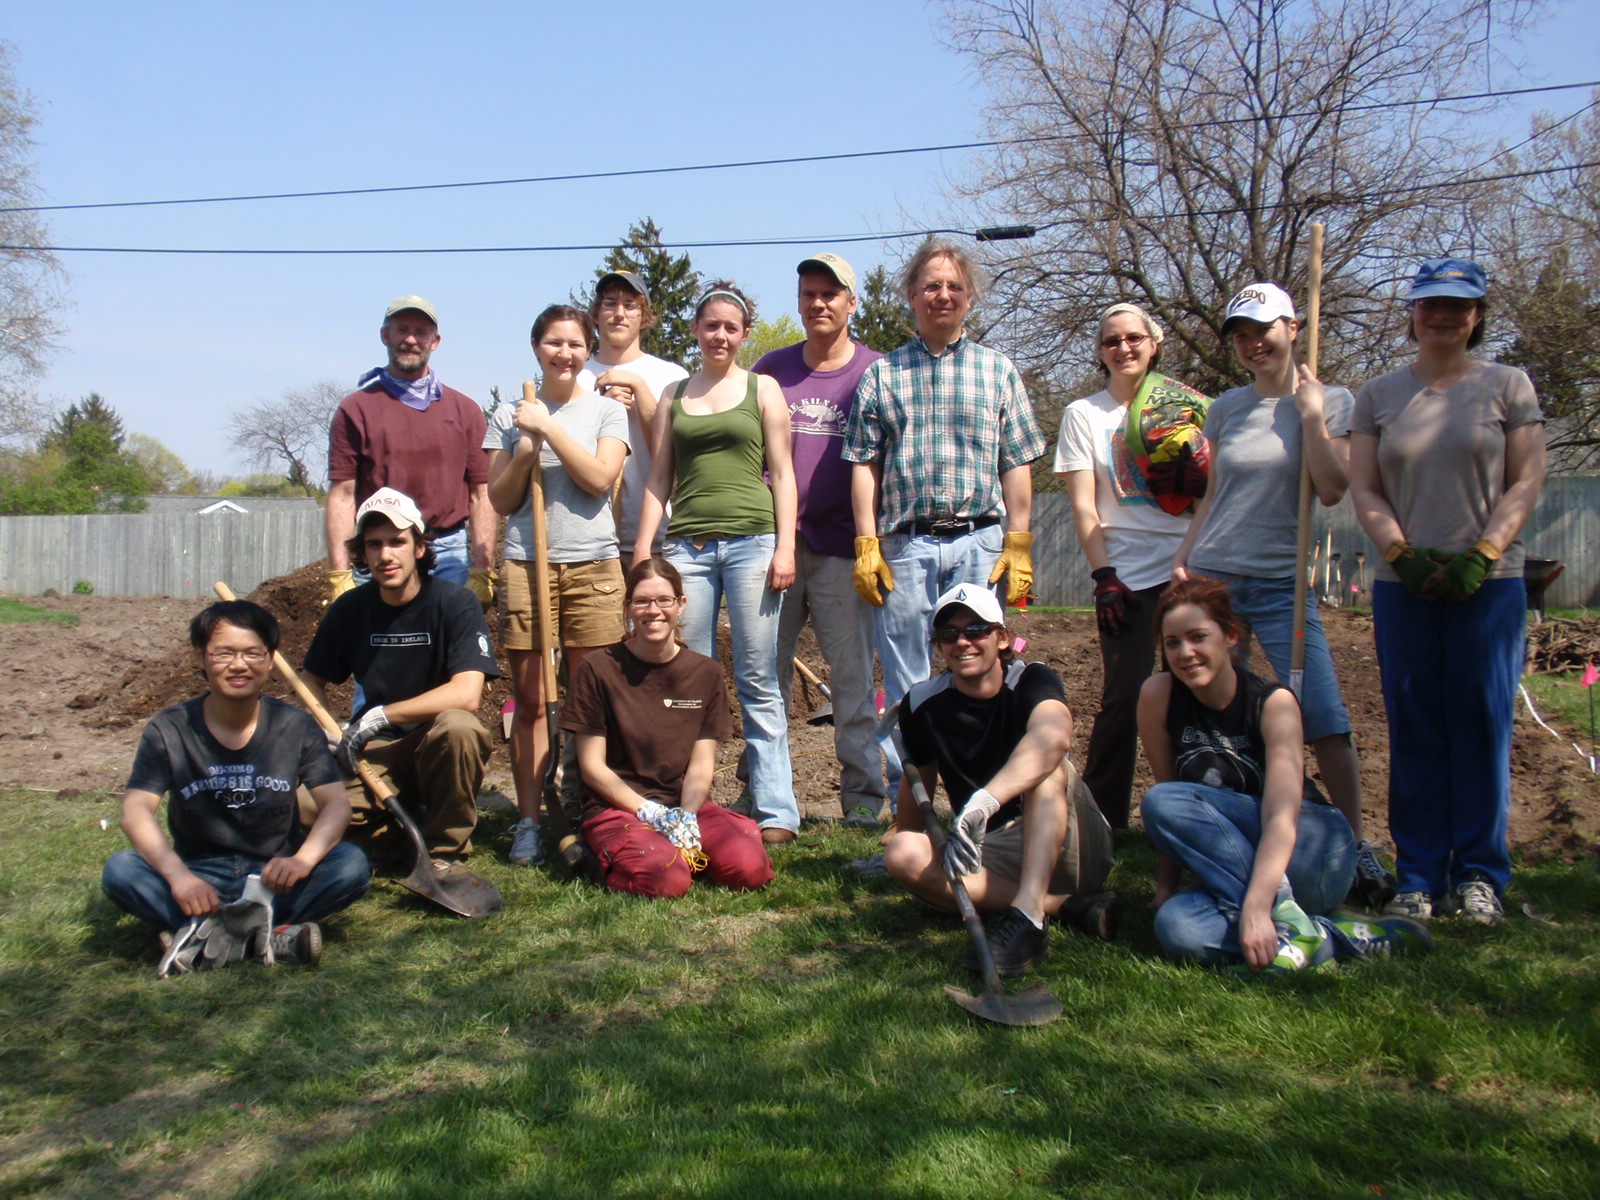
(581, 440)
(1128, 538)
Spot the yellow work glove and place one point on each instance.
(480, 582)
(1016, 561)
(872, 575)
(340, 582)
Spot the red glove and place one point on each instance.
(1112, 600)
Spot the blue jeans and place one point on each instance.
(924, 567)
(1266, 606)
(1213, 832)
(1450, 677)
(452, 557)
(736, 568)
(336, 882)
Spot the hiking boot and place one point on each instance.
(1018, 945)
(1374, 884)
(1097, 914)
(1384, 937)
(1475, 900)
(298, 944)
(527, 844)
(1417, 906)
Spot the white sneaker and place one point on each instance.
(527, 844)
(1476, 901)
(1416, 906)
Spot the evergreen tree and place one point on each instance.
(881, 321)
(91, 410)
(674, 287)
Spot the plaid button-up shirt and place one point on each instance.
(944, 427)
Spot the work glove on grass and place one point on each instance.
(963, 848)
(1112, 601)
(1016, 563)
(872, 575)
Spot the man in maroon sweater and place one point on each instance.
(404, 429)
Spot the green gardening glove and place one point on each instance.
(1463, 575)
(1420, 569)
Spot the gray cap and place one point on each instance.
(626, 278)
(411, 304)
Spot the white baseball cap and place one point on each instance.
(979, 600)
(397, 508)
(1263, 303)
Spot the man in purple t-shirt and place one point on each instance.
(819, 378)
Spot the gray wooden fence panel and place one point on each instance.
(155, 554)
(1565, 527)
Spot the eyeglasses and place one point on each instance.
(612, 304)
(643, 602)
(951, 634)
(255, 656)
(933, 289)
(1134, 340)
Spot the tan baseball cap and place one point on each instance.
(395, 507)
(833, 265)
(410, 303)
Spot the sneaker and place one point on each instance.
(863, 816)
(1417, 906)
(1475, 900)
(1097, 914)
(1385, 937)
(527, 844)
(1375, 884)
(868, 868)
(299, 944)
(1018, 945)
(1303, 945)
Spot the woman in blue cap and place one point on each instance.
(1446, 465)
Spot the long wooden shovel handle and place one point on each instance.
(1302, 541)
(811, 678)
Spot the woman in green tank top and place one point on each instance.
(732, 532)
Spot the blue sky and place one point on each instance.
(146, 101)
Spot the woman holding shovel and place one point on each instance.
(1446, 465)
(581, 440)
(732, 532)
(1244, 530)
(648, 714)
(1128, 534)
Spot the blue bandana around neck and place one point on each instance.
(413, 393)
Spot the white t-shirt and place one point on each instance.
(660, 375)
(1141, 537)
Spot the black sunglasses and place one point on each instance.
(950, 634)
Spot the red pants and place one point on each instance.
(637, 859)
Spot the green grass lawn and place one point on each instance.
(15, 612)
(1562, 699)
(795, 1042)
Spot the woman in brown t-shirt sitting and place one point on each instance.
(647, 713)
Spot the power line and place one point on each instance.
(765, 162)
(836, 239)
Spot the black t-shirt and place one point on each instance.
(400, 651)
(1225, 748)
(970, 739)
(222, 801)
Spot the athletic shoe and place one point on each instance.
(1303, 945)
(1097, 914)
(1475, 901)
(527, 844)
(1018, 945)
(1374, 884)
(298, 944)
(1417, 906)
(1384, 937)
(869, 868)
(862, 816)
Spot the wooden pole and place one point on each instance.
(1302, 545)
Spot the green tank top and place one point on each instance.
(719, 460)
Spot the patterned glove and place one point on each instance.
(371, 723)
(1016, 560)
(872, 575)
(963, 849)
(480, 582)
(1112, 600)
(656, 815)
(340, 582)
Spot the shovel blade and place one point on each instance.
(1031, 1006)
(822, 716)
(455, 888)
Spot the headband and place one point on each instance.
(714, 293)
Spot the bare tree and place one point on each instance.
(291, 431)
(1171, 151)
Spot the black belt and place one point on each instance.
(948, 526)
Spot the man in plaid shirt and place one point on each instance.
(942, 435)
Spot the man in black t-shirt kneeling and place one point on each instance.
(1027, 837)
(418, 647)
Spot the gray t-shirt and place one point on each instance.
(1255, 481)
(660, 375)
(1442, 455)
(579, 526)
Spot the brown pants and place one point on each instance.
(437, 771)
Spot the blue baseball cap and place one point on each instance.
(1449, 277)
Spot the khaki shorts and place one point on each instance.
(585, 604)
(1086, 857)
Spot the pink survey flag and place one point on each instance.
(1590, 675)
